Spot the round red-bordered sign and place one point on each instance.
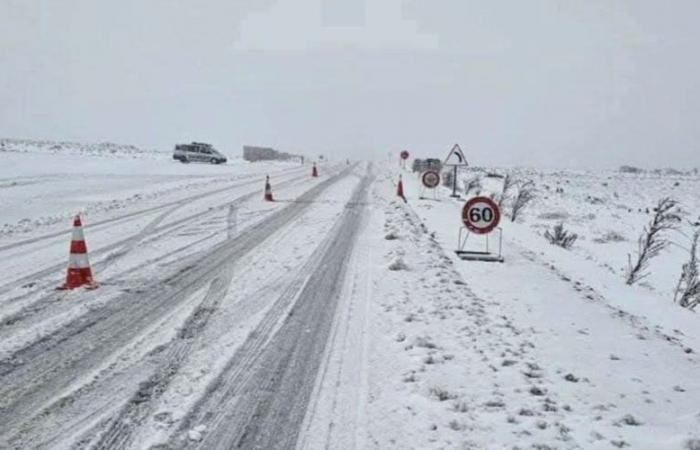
(481, 215)
(404, 154)
(430, 179)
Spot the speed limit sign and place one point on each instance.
(430, 179)
(481, 215)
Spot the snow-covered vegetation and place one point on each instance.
(78, 148)
(610, 212)
(552, 348)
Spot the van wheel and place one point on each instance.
(184, 160)
(214, 161)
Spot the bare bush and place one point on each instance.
(554, 215)
(631, 169)
(509, 182)
(441, 394)
(652, 241)
(688, 289)
(594, 200)
(398, 264)
(455, 425)
(526, 193)
(560, 237)
(610, 236)
(473, 184)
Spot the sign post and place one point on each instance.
(404, 156)
(480, 216)
(455, 159)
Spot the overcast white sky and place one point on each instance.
(593, 83)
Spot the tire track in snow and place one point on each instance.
(78, 418)
(339, 423)
(17, 320)
(120, 432)
(51, 365)
(134, 214)
(260, 399)
(136, 239)
(150, 228)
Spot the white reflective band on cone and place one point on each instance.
(78, 234)
(78, 261)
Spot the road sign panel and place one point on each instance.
(455, 157)
(405, 154)
(430, 179)
(481, 215)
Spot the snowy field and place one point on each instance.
(41, 187)
(562, 352)
(337, 316)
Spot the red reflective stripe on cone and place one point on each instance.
(78, 277)
(78, 247)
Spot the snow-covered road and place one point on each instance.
(336, 317)
(177, 279)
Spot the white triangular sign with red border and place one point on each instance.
(455, 157)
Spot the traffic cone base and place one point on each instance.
(77, 277)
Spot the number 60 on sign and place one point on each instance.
(481, 215)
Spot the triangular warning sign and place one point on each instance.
(455, 157)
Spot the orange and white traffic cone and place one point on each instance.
(79, 273)
(314, 172)
(268, 190)
(399, 190)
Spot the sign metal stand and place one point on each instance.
(403, 156)
(422, 195)
(430, 179)
(479, 255)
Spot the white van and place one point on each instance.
(198, 152)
